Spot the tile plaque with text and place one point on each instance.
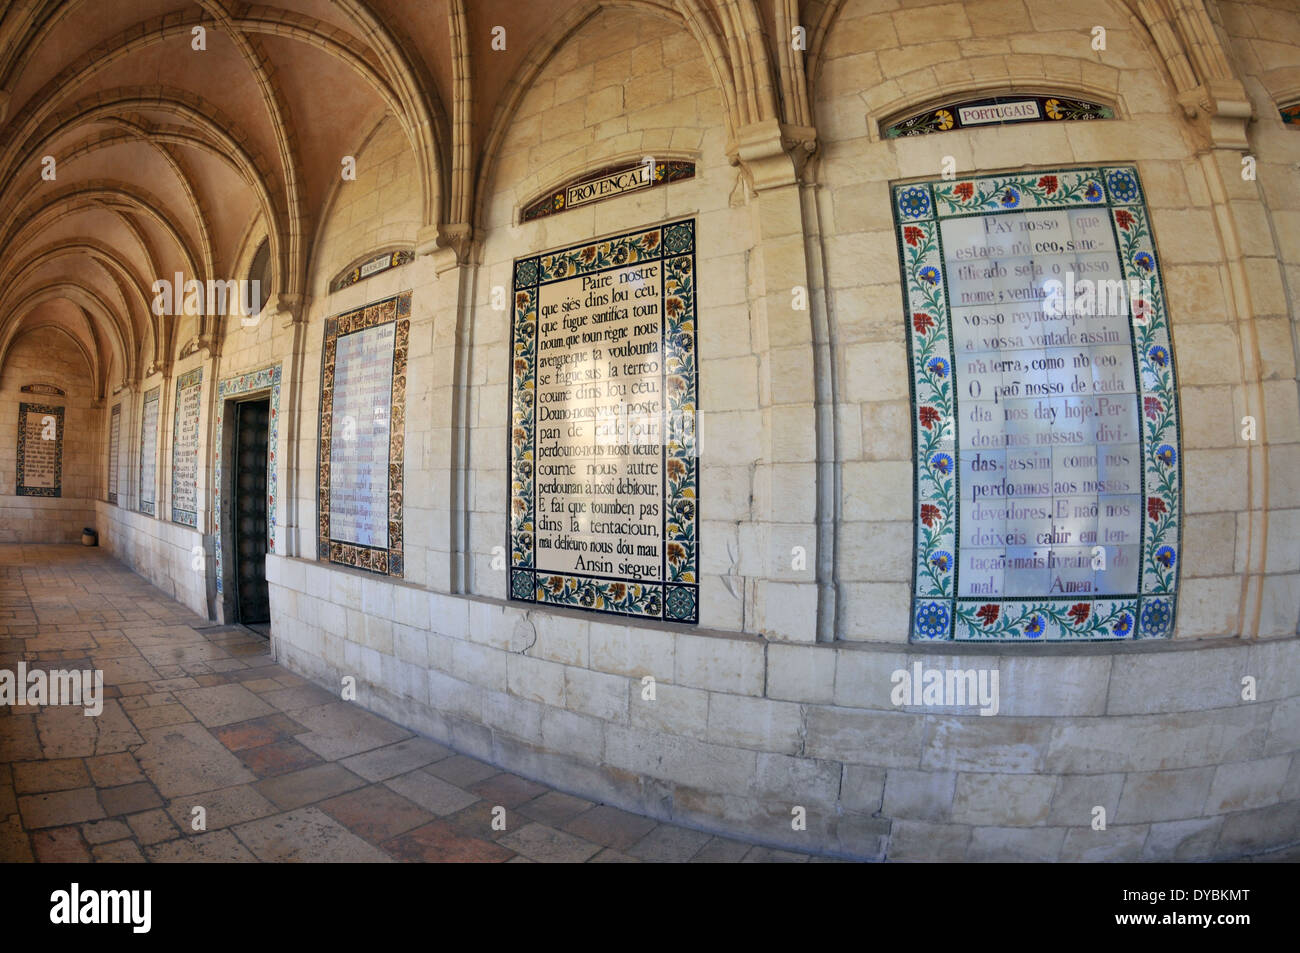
(1048, 481)
(603, 500)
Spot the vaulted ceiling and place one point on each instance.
(140, 138)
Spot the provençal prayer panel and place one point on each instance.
(604, 466)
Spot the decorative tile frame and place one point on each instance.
(938, 614)
(372, 266)
(191, 378)
(153, 396)
(390, 561)
(948, 116)
(264, 379)
(675, 596)
(114, 452)
(556, 201)
(20, 489)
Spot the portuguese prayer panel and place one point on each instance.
(1048, 477)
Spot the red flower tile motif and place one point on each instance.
(1079, 612)
(964, 190)
(988, 614)
(1124, 219)
(929, 514)
(929, 417)
(922, 322)
(1049, 184)
(1155, 507)
(912, 235)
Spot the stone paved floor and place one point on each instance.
(198, 715)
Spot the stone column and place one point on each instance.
(789, 600)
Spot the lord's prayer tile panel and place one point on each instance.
(362, 436)
(604, 492)
(1048, 474)
(149, 450)
(185, 448)
(39, 468)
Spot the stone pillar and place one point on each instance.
(788, 602)
(453, 253)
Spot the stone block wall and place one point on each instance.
(48, 356)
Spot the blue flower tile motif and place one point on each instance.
(679, 239)
(933, 620)
(1145, 260)
(1123, 625)
(1167, 455)
(526, 272)
(941, 561)
(941, 462)
(1034, 627)
(914, 202)
(1010, 197)
(1092, 193)
(1123, 187)
(1165, 556)
(1156, 617)
(679, 604)
(938, 367)
(1159, 356)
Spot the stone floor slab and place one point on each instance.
(439, 843)
(312, 784)
(548, 845)
(185, 759)
(432, 794)
(59, 808)
(392, 760)
(341, 729)
(223, 704)
(306, 835)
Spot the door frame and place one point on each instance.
(247, 384)
(227, 562)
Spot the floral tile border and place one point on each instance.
(262, 379)
(937, 613)
(192, 378)
(390, 561)
(48, 491)
(153, 396)
(675, 598)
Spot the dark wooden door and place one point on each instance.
(251, 420)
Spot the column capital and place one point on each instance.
(450, 245)
(772, 153)
(1221, 110)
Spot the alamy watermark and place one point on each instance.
(58, 687)
(946, 688)
(213, 297)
